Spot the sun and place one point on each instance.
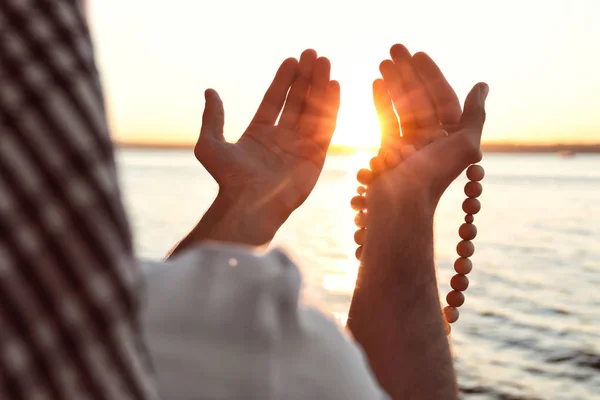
(357, 124)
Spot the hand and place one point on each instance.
(395, 313)
(421, 95)
(275, 165)
(428, 109)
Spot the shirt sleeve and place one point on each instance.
(223, 323)
(68, 311)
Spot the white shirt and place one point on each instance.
(224, 323)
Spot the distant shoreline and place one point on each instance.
(335, 149)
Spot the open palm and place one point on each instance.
(421, 95)
(445, 139)
(277, 162)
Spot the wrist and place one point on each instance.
(399, 237)
(390, 209)
(397, 190)
(246, 218)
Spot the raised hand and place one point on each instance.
(439, 140)
(395, 313)
(275, 164)
(421, 95)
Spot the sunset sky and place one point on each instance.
(540, 58)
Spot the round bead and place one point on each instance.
(473, 189)
(447, 327)
(360, 220)
(460, 283)
(471, 206)
(469, 218)
(377, 165)
(467, 231)
(358, 252)
(475, 172)
(455, 298)
(358, 203)
(465, 248)
(406, 151)
(391, 159)
(451, 314)
(359, 236)
(364, 176)
(463, 265)
(361, 190)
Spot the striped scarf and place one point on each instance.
(68, 278)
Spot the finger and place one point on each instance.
(393, 83)
(274, 98)
(213, 118)
(473, 116)
(211, 140)
(447, 105)
(315, 105)
(388, 122)
(463, 148)
(326, 126)
(419, 100)
(294, 104)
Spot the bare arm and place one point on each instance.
(234, 220)
(395, 313)
(275, 164)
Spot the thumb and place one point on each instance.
(462, 148)
(213, 118)
(473, 116)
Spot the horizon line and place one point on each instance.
(488, 146)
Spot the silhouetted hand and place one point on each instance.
(439, 139)
(275, 164)
(422, 96)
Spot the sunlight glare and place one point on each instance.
(357, 124)
(155, 93)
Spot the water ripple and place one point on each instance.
(530, 327)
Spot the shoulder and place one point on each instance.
(216, 279)
(224, 322)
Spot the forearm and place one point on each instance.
(240, 220)
(395, 313)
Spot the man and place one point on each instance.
(395, 313)
(70, 287)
